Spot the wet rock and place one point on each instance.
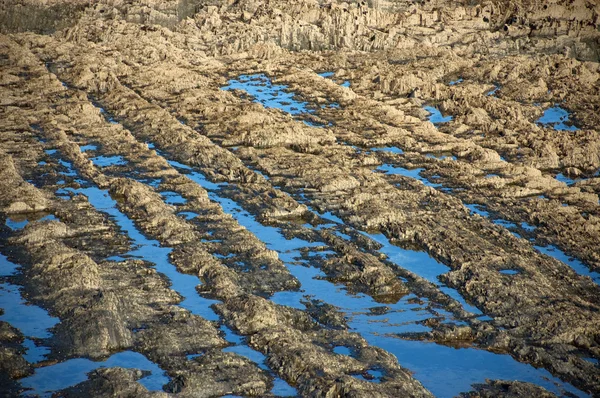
(110, 382)
(219, 373)
(12, 364)
(326, 314)
(450, 334)
(180, 335)
(149, 202)
(251, 314)
(501, 388)
(156, 69)
(25, 198)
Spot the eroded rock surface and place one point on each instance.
(261, 199)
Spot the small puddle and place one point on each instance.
(262, 90)
(47, 380)
(326, 75)
(421, 264)
(280, 386)
(266, 177)
(17, 222)
(107, 116)
(283, 389)
(69, 171)
(411, 173)
(33, 321)
(441, 156)
(391, 149)
(510, 226)
(592, 360)
(371, 375)
(567, 180)
(493, 91)
(89, 147)
(278, 96)
(35, 353)
(173, 198)
(557, 118)
(249, 353)
(477, 209)
(343, 235)
(550, 250)
(447, 371)
(528, 227)
(509, 271)
(329, 75)
(342, 350)
(105, 161)
(188, 215)
(239, 347)
(331, 217)
(435, 116)
(455, 82)
(506, 224)
(578, 266)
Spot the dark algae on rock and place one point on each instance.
(380, 198)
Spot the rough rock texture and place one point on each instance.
(506, 389)
(112, 382)
(12, 364)
(182, 211)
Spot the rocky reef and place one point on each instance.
(300, 198)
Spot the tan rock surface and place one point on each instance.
(125, 99)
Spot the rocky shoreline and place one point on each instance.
(301, 198)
